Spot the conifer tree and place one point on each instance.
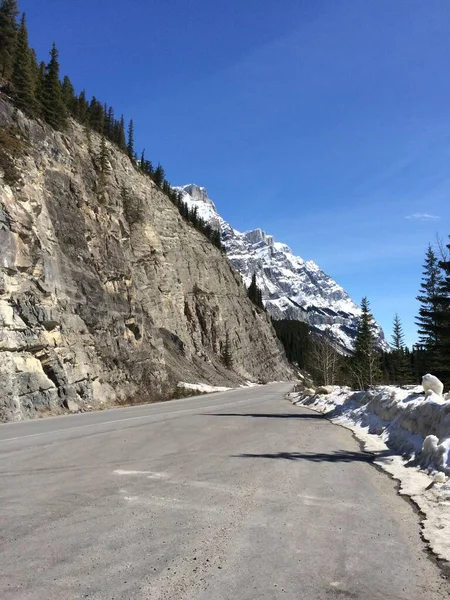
(130, 142)
(109, 123)
(142, 162)
(364, 363)
(82, 108)
(8, 33)
(40, 87)
(254, 293)
(426, 350)
(399, 360)
(428, 298)
(105, 129)
(398, 337)
(167, 190)
(121, 140)
(104, 155)
(216, 239)
(96, 115)
(53, 103)
(158, 176)
(68, 95)
(35, 69)
(22, 76)
(442, 323)
(149, 168)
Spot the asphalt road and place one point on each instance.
(231, 496)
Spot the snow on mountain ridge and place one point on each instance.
(292, 288)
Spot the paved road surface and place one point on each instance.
(232, 496)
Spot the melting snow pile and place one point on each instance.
(203, 388)
(408, 429)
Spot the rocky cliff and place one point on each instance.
(106, 293)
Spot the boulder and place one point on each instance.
(325, 389)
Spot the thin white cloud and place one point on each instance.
(423, 217)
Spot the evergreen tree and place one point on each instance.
(400, 366)
(364, 363)
(130, 143)
(40, 87)
(398, 337)
(193, 215)
(8, 33)
(429, 299)
(149, 168)
(35, 69)
(109, 124)
(96, 115)
(158, 176)
(442, 323)
(254, 293)
(68, 95)
(121, 140)
(82, 108)
(53, 103)
(105, 129)
(104, 155)
(142, 162)
(252, 289)
(23, 76)
(216, 238)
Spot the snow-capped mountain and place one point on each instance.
(292, 288)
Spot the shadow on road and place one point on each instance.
(269, 415)
(336, 456)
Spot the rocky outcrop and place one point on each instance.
(105, 291)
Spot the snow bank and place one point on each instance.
(409, 433)
(404, 418)
(202, 387)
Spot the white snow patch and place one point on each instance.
(202, 387)
(409, 433)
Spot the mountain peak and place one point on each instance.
(197, 197)
(292, 288)
(257, 236)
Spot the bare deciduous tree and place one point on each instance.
(325, 359)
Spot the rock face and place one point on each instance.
(292, 288)
(105, 291)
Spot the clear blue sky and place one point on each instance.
(324, 122)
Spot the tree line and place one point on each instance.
(367, 365)
(37, 90)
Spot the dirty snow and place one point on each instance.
(409, 433)
(202, 387)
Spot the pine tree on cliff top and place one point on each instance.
(8, 34)
(23, 77)
(54, 109)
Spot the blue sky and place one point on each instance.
(324, 122)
